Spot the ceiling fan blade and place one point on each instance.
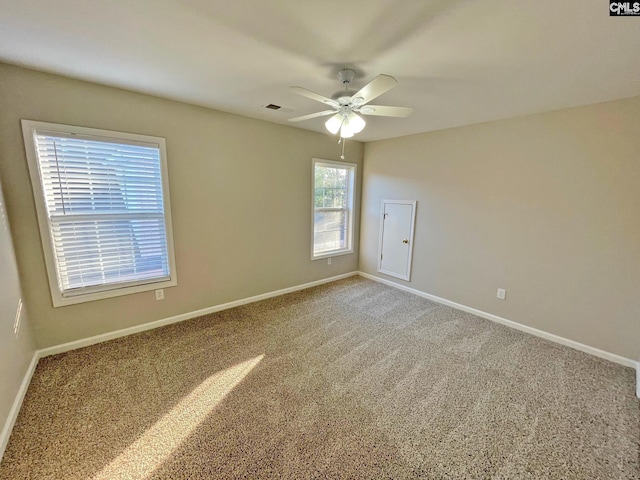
(375, 88)
(315, 96)
(312, 115)
(384, 111)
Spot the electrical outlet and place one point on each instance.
(328, 261)
(502, 294)
(160, 294)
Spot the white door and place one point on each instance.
(396, 238)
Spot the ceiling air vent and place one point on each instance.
(277, 108)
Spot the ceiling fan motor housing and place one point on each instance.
(346, 76)
(343, 96)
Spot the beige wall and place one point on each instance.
(546, 206)
(16, 351)
(240, 196)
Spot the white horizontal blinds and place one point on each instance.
(105, 209)
(331, 201)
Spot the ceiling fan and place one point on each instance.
(346, 105)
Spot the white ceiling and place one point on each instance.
(458, 62)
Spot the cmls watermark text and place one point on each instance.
(623, 9)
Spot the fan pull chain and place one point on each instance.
(343, 144)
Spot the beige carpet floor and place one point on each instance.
(348, 380)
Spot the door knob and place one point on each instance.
(405, 241)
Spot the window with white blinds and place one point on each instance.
(333, 197)
(103, 208)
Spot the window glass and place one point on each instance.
(333, 185)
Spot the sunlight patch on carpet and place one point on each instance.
(147, 453)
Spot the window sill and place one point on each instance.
(62, 301)
(332, 253)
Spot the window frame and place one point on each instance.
(30, 129)
(353, 167)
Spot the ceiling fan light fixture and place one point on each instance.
(356, 123)
(334, 123)
(346, 131)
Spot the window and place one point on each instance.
(333, 197)
(102, 200)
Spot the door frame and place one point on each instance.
(414, 205)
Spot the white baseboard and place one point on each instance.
(627, 362)
(17, 403)
(638, 379)
(85, 342)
